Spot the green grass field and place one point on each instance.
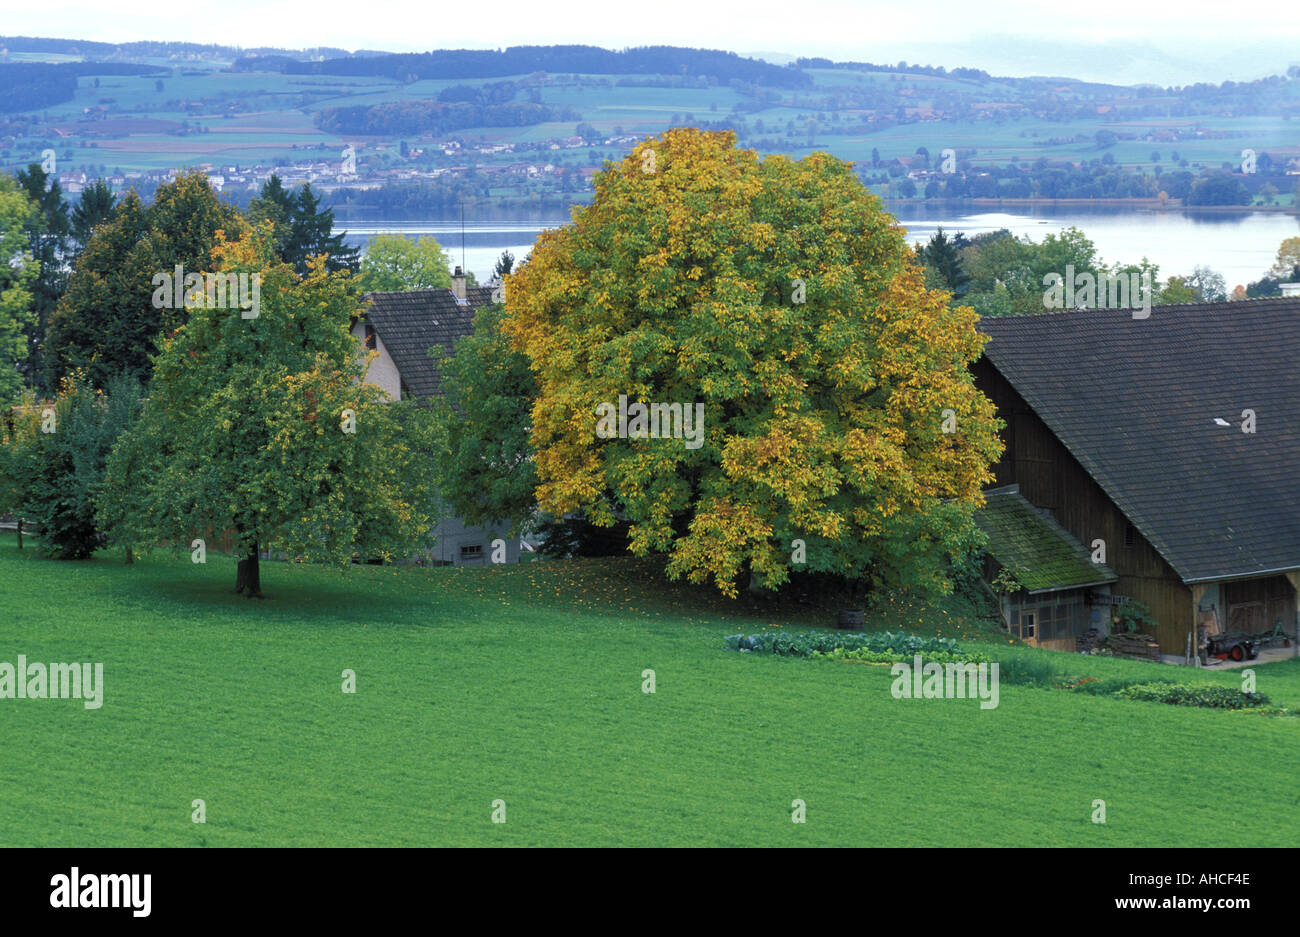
(524, 684)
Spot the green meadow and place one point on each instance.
(524, 684)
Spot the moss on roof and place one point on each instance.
(1038, 551)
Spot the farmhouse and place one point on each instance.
(1167, 448)
(402, 327)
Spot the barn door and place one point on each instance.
(1027, 630)
(1255, 604)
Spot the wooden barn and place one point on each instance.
(1173, 440)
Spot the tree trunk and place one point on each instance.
(248, 576)
(130, 556)
(20, 533)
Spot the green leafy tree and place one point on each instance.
(264, 427)
(312, 235)
(1287, 265)
(93, 208)
(274, 204)
(1220, 188)
(20, 432)
(17, 274)
(47, 235)
(1263, 288)
(943, 255)
(107, 322)
(505, 263)
(1001, 270)
(780, 299)
(1010, 275)
(589, 134)
(1210, 286)
(487, 470)
(1058, 252)
(998, 257)
(54, 459)
(395, 262)
(1179, 290)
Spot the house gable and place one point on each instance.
(411, 322)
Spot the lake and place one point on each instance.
(1241, 246)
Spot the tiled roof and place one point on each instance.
(411, 322)
(1034, 547)
(1135, 401)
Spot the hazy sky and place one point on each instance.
(1117, 40)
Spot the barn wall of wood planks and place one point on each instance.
(1050, 477)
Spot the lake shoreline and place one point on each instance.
(1145, 204)
(1235, 241)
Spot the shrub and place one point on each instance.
(1027, 669)
(865, 655)
(805, 643)
(1134, 618)
(1210, 696)
(1094, 687)
(52, 478)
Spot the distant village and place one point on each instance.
(344, 170)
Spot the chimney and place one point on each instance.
(458, 284)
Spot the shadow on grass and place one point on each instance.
(163, 581)
(404, 596)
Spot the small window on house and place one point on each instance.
(474, 551)
(370, 336)
(1130, 536)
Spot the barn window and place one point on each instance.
(1130, 536)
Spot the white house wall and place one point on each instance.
(382, 371)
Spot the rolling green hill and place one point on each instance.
(524, 684)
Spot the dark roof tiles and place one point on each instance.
(411, 322)
(1135, 401)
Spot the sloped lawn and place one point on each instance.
(524, 684)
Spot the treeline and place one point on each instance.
(27, 86)
(1096, 179)
(973, 74)
(79, 296)
(574, 59)
(151, 48)
(411, 117)
(169, 412)
(492, 93)
(441, 198)
(999, 274)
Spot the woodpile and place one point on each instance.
(1140, 646)
(1087, 642)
